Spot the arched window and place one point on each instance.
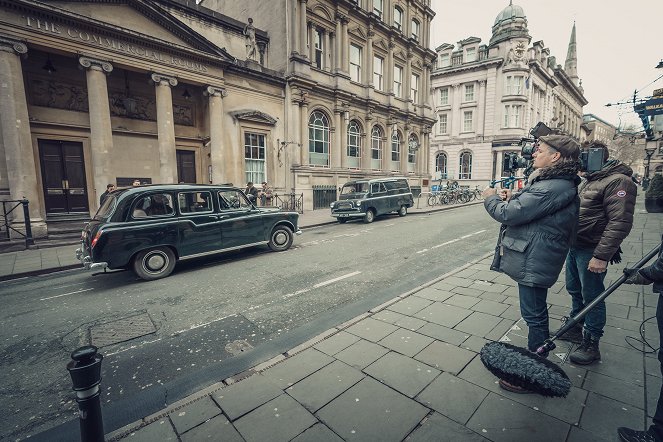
(376, 143)
(441, 165)
(318, 139)
(412, 147)
(398, 18)
(415, 29)
(354, 139)
(465, 166)
(395, 146)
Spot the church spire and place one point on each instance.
(571, 64)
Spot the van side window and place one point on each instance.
(232, 199)
(377, 188)
(158, 204)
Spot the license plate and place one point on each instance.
(342, 215)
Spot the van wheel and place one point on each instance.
(402, 211)
(369, 217)
(342, 220)
(154, 263)
(280, 239)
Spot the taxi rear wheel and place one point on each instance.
(402, 211)
(280, 239)
(154, 263)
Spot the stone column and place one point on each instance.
(326, 52)
(303, 27)
(216, 130)
(482, 107)
(456, 117)
(338, 49)
(386, 150)
(367, 144)
(408, 74)
(369, 58)
(345, 46)
(294, 24)
(16, 135)
(101, 133)
(166, 128)
(303, 106)
(338, 156)
(391, 66)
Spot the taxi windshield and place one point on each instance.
(354, 188)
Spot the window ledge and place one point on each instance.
(468, 104)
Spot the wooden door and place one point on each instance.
(63, 176)
(186, 166)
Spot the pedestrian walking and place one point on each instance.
(265, 194)
(652, 274)
(607, 203)
(538, 224)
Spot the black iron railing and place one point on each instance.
(323, 196)
(289, 201)
(6, 228)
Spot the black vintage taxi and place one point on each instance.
(150, 228)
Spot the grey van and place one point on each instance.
(369, 198)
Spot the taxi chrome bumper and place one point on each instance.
(87, 261)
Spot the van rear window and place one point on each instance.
(106, 208)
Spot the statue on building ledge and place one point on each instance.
(250, 40)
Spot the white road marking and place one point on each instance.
(131, 347)
(451, 241)
(321, 284)
(68, 285)
(66, 294)
(195, 326)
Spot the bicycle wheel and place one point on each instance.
(432, 200)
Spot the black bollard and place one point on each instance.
(85, 371)
(28, 228)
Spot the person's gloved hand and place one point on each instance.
(638, 278)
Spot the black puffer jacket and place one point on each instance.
(538, 224)
(654, 272)
(607, 203)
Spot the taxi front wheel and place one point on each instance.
(154, 263)
(280, 239)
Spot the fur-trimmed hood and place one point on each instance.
(564, 169)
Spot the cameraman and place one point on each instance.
(646, 276)
(607, 203)
(538, 224)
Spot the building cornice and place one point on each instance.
(473, 66)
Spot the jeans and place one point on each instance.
(584, 286)
(656, 427)
(534, 310)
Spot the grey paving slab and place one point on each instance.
(500, 329)
(474, 343)
(501, 419)
(437, 427)
(466, 273)
(217, 428)
(479, 324)
(371, 329)
(599, 410)
(511, 292)
(443, 314)
(653, 391)
(443, 286)
(620, 363)
(161, 430)
(401, 320)
(504, 279)
(453, 397)
(652, 366)
(489, 287)
(402, 373)
(491, 307)
(623, 298)
(561, 300)
(361, 354)
(467, 291)
(455, 281)
(485, 275)
(513, 312)
(619, 336)
(194, 414)
(410, 305)
(463, 301)
(433, 294)
(250, 393)
(318, 433)
(631, 393)
(297, 367)
(497, 297)
(579, 435)
(371, 411)
(324, 385)
(280, 419)
(336, 343)
(442, 333)
(446, 357)
(406, 342)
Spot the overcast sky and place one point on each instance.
(618, 42)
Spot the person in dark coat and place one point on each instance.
(607, 203)
(645, 276)
(538, 225)
(109, 188)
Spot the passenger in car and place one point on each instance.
(158, 206)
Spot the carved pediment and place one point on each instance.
(381, 44)
(358, 32)
(400, 55)
(254, 116)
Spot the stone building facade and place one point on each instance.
(601, 130)
(98, 92)
(487, 97)
(357, 92)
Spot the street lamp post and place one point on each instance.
(649, 151)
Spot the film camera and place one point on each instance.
(512, 161)
(592, 159)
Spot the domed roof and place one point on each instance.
(510, 12)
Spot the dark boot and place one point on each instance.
(588, 352)
(574, 335)
(628, 435)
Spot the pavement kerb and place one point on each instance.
(120, 433)
(40, 272)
